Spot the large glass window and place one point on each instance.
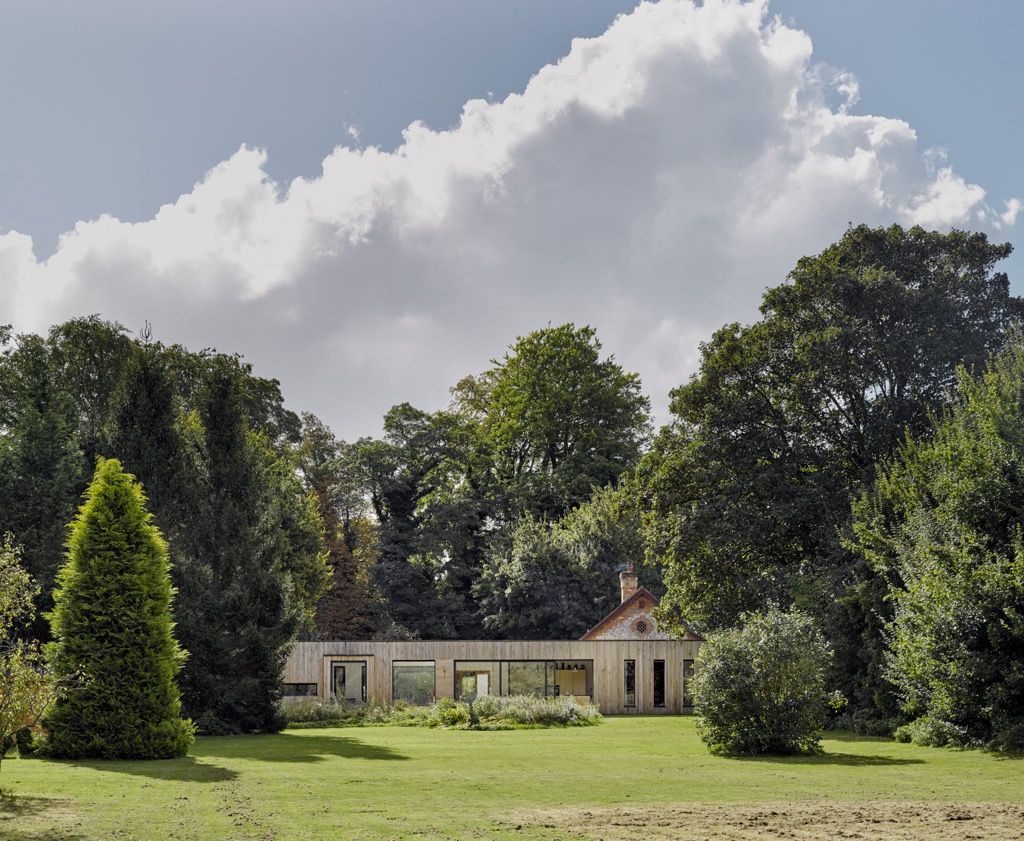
(348, 681)
(543, 678)
(629, 678)
(476, 678)
(659, 683)
(299, 690)
(530, 678)
(413, 681)
(687, 683)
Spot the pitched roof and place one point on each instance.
(640, 594)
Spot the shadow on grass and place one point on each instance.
(183, 770)
(17, 814)
(858, 760)
(281, 747)
(288, 747)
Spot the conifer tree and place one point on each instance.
(112, 625)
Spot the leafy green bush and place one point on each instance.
(934, 733)
(491, 713)
(761, 688)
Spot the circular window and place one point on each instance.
(641, 626)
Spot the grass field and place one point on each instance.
(629, 778)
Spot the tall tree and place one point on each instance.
(544, 580)
(41, 464)
(558, 420)
(401, 471)
(749, 488)
(256, 566)
(88, 356)
(942, 526)
(112, 624)
(348, 608)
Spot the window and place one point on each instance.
(476, 678)
(687, 683)
(530, 678)
(630, 683)
(299, 690)
(413, 681)
(348, 681)
(542, 678)
(659, 683)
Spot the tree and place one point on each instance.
(144, 433)
(762, 688)
(557, 580)
(557, 420)
(942, 527)
(749, 489)
(255, 564)
(88, 356)
(112, 623)
(430, 487)
(27, 687)
(348, 608)
(40, 462)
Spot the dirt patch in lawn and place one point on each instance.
(892, 821)
(37, 818)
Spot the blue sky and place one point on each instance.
(115, 107)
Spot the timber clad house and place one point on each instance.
(624, 665)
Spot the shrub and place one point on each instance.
(112, 624)
(934, 733)
(491, 712)
(761, 688)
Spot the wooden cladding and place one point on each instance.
(311, 662)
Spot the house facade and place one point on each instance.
(624, 665)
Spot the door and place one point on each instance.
(348, 681)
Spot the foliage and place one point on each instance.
(942, 526)
(426, 494)
(492, 712)
(255, 565)
(112, 623)
(748, 491)
(348, 608)
(40, 461)
(557, 420)
(27, 687)
(557, 580)
(762, 688)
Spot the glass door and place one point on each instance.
(348, 681)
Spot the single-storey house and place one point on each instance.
(624, 664)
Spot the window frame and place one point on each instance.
(654, 684)
(628, 677)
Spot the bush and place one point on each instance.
(934, 733)
(761, 688)
(491, 712)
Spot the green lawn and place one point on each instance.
(389, 782)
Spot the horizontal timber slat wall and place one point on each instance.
(310, 662)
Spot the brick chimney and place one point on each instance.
(627, 581)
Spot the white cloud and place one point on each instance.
(651, 183)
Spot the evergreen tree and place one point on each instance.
(112, 625)
(255, 566)
(40, 463)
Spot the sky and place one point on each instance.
(370, 200)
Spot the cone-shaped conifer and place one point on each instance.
(112, 625)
